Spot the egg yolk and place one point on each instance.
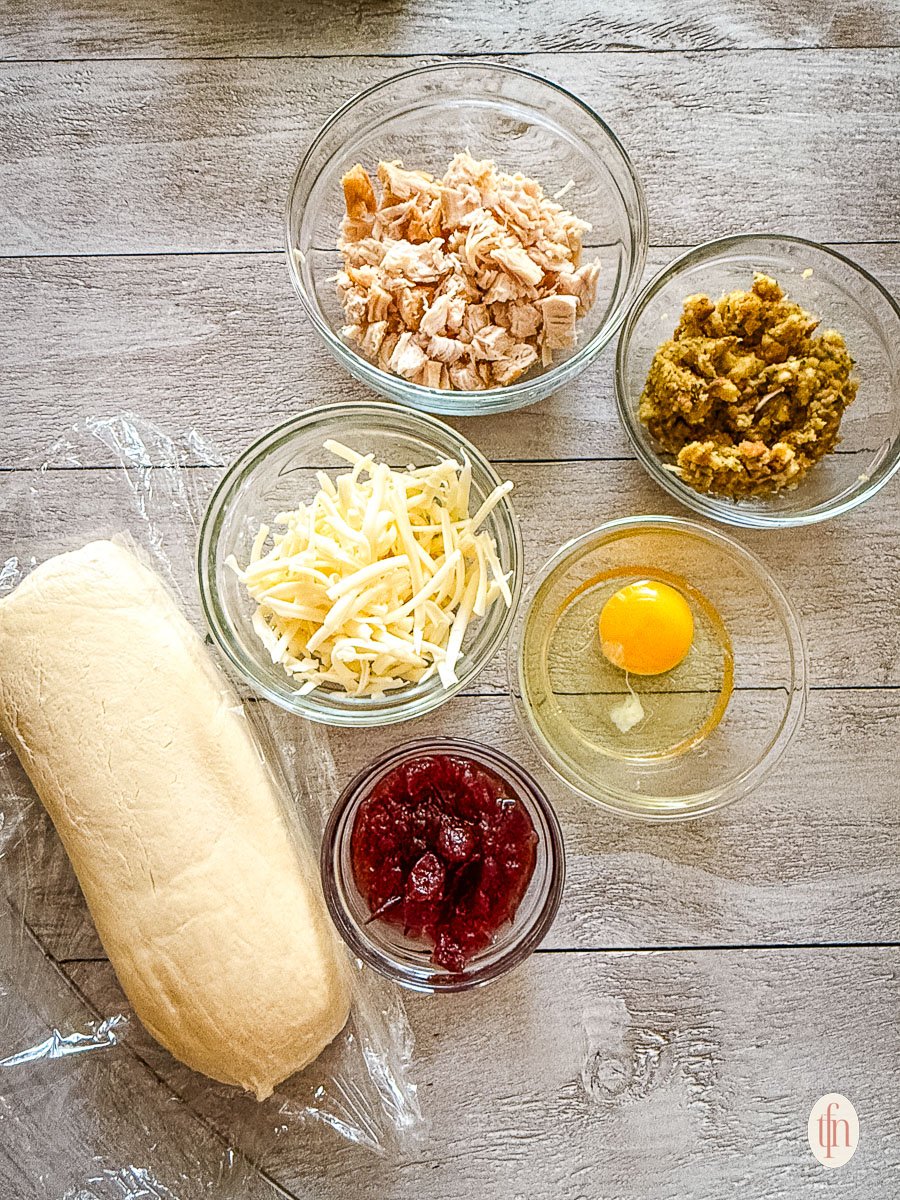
(646, 628)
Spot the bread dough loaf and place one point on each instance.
(140, 752)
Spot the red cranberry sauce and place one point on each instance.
(442, 849)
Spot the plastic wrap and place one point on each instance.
(90, 1106)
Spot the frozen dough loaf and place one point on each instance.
(140, 752)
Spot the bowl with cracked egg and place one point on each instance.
(658, 668)
(466, 238)
(360, 564)
(758, 379)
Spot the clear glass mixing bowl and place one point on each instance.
(522, 122)
(385, 947)
(845, 298)
(740, 697)
(277, 472)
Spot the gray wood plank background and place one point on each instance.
(703, 984)
(243, 28)
(152, 332)
(623, 1076)
(196, 154)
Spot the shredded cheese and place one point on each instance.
(372, 586)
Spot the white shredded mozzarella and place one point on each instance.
(372, 585)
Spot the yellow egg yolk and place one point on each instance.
(646, 628)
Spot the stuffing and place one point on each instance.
(745, 395)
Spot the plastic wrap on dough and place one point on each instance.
(91, 1108)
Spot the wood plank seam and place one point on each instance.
(711, 948)
(463, 55)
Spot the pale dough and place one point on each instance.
(141, 754)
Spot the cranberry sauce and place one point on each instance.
(444, 850)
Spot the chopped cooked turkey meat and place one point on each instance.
(411, 303)
(436, 316)
(355, 308)
(415, 262)
(582, 284)
(432, 374)
(445, 349)
(377, 300)
(492, 343)
(370, 342)
(386, 350)
(516, 261)
(408, 358)
(464, 376)
(368, 251)
(400, 184)
(458, 203)
(359, 195)
(524, 321)
(462, 282)
(475, 317)
(516, 363)
(558, 313)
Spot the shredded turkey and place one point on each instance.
(462, 282)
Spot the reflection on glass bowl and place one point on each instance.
(712, 727)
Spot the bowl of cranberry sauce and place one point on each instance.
(443, 865)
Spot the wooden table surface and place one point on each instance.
(705, 983)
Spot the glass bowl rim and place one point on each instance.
(338, 827)
(718, 509)
(490, 400)
(368, 713)
(622, 802)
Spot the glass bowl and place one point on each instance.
(278, 471)
(715, 725)
(844, 297)
(384, 946)
(524, 123)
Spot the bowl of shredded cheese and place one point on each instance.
(360, 564)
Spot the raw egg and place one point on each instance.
(646, 628)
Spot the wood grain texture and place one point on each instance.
(618, 1076)
(209, 28)
(811, 852)
(841, 575)
(196, 155)
(100, 1126)
(624, 1060)
(810, 857)
(220, 344)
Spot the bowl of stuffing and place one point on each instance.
(466, 238)
(758, 377)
